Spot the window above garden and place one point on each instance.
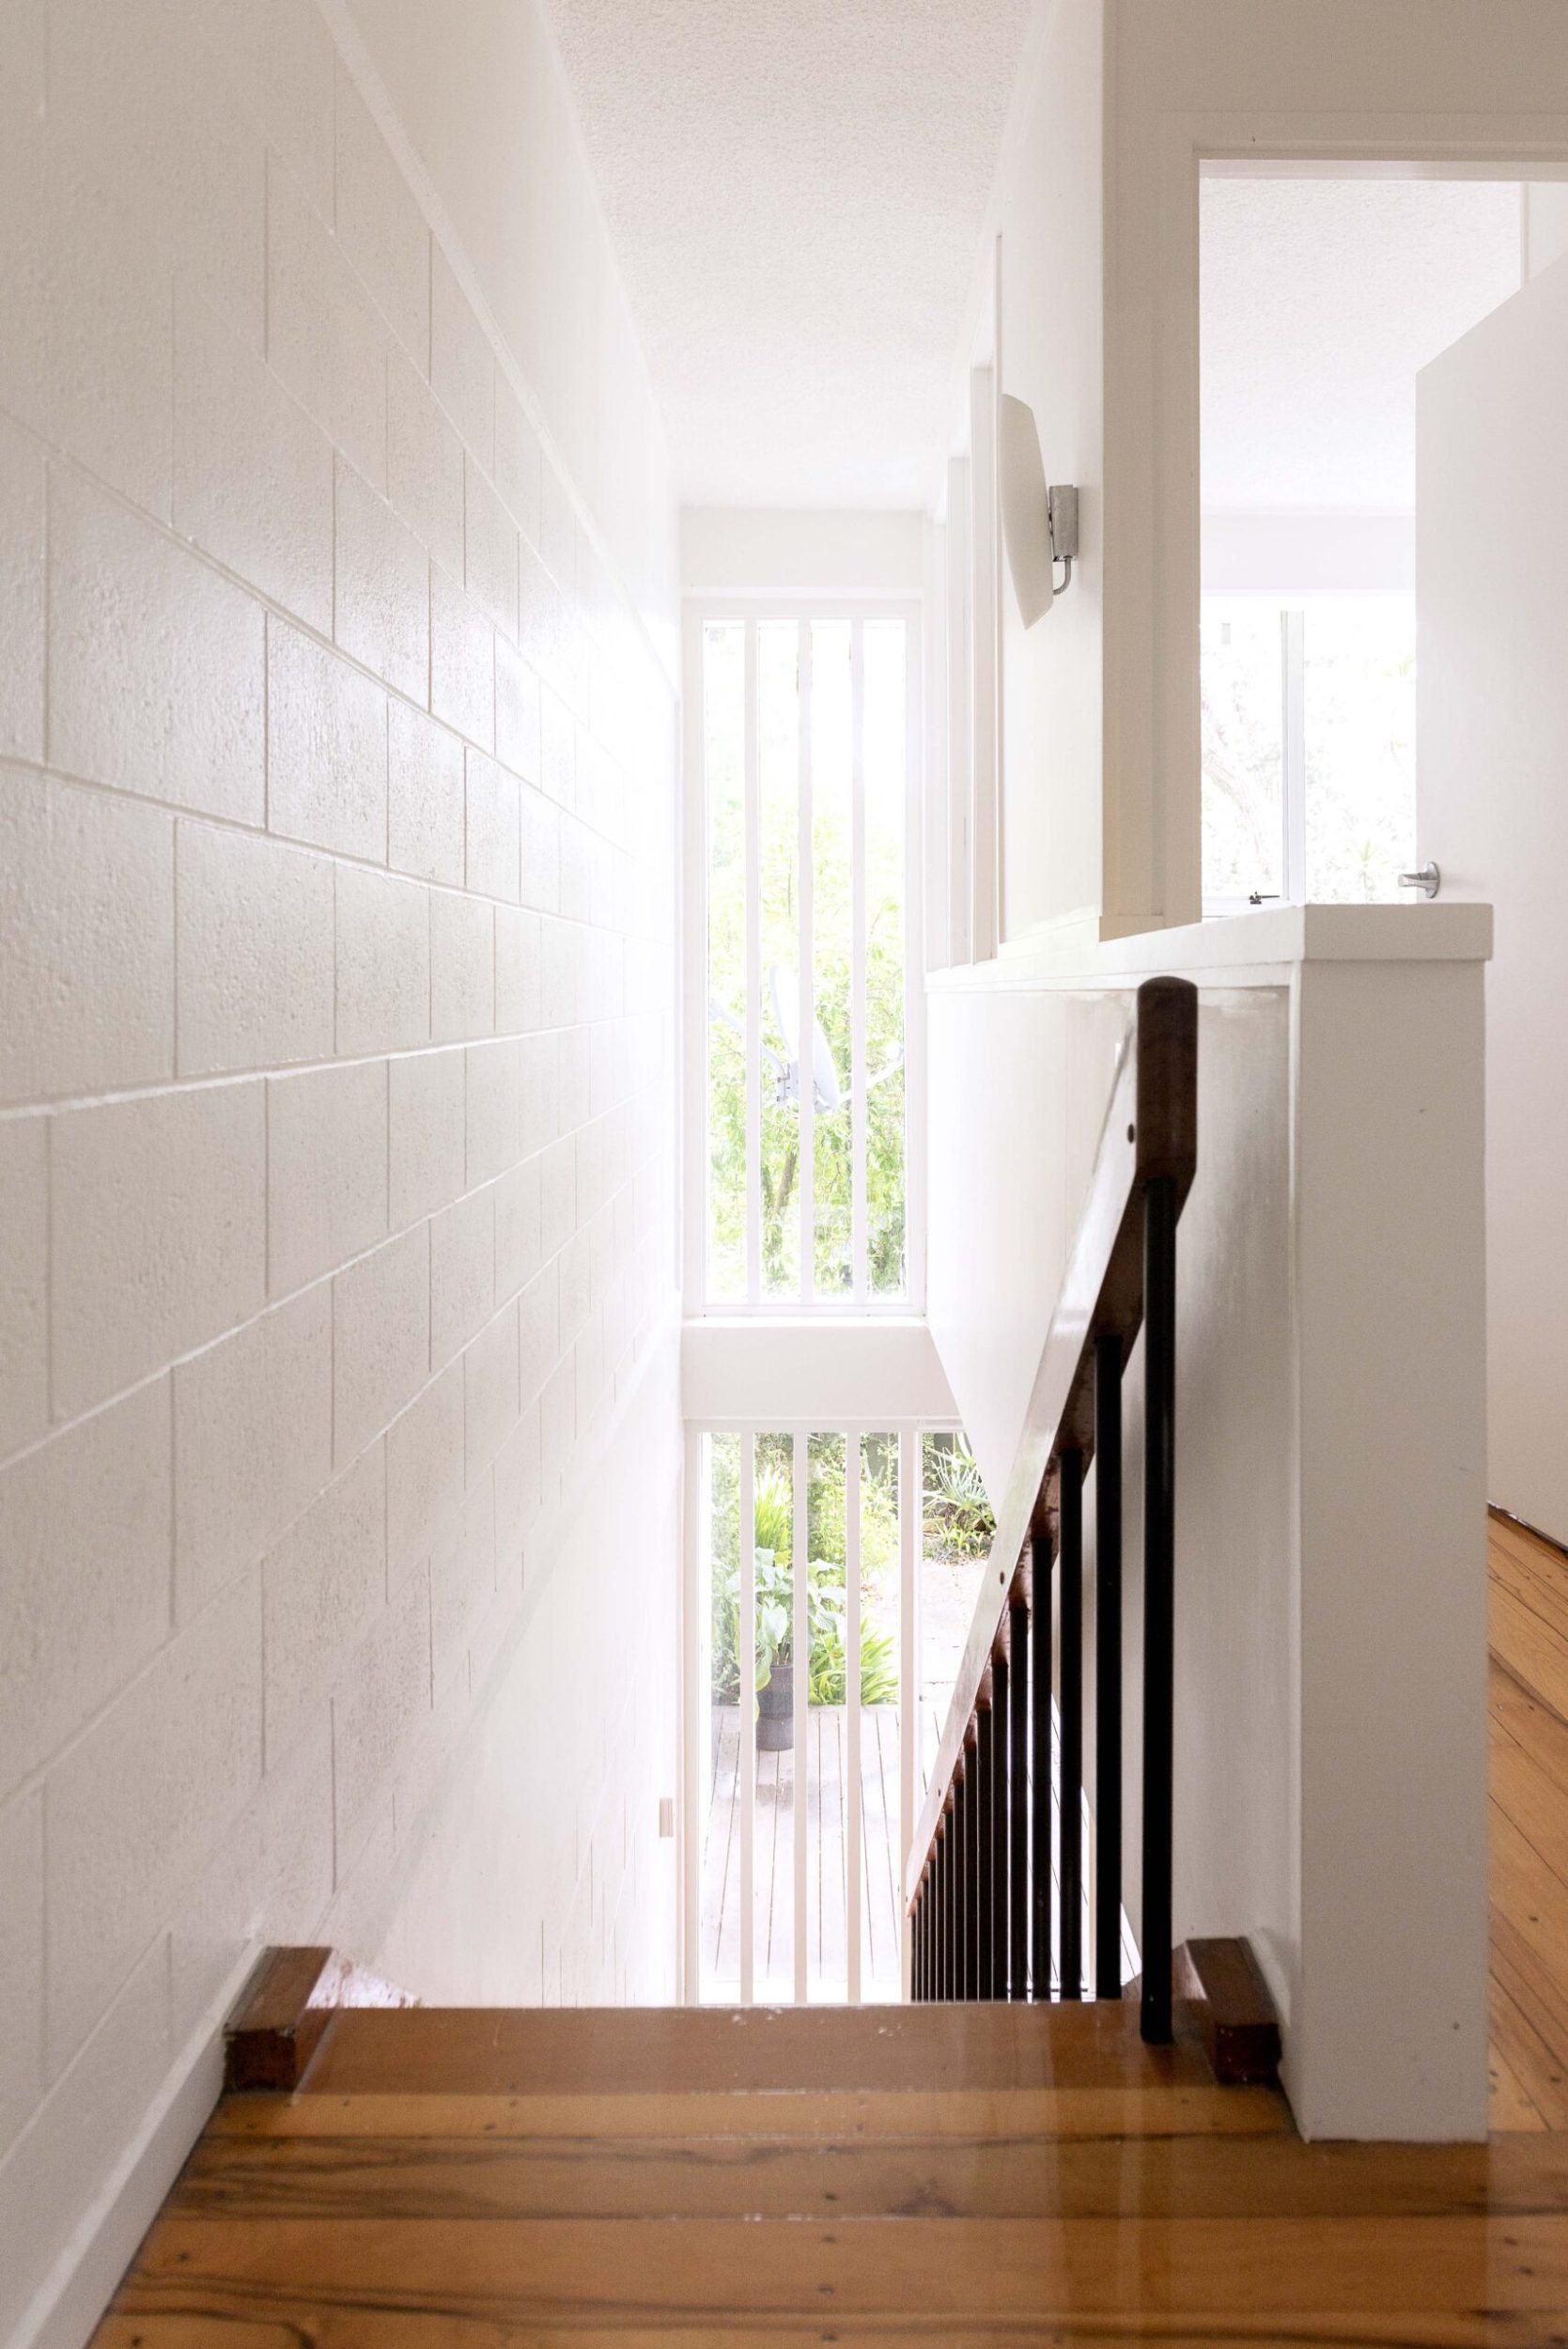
(801, 1188)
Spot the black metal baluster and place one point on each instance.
(1070, 1828)
(949, 1894)
(1017, 1770)
(938, 1913)
(914, 1951)
(1001, 1838)
(1160, 1446)
(1108, 1666)
(917, 1940)
(985, 1851)
(971, 1860)
(961, 1880)
(1039, 1764)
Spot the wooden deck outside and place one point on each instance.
(827, 1829)
(774, 1860)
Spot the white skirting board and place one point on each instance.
(72, 2299)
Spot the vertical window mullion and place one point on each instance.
(909, 1654)
(697, 1759)
(753, 979)
(914, 978)
(806, 1067)
(1293, 758)
(802, 1643)
(960, 850)
(857, 1073)
(852, 1812)
(746, 1646)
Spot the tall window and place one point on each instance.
(835, 1573)
(1309, 748)
(806, 738)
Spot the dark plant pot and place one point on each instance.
(776, 1711)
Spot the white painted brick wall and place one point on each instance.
(336, 897)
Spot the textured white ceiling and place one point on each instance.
(1321, 298)
(794, 189)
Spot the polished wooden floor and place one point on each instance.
(1529, 1708)
(703, 2179)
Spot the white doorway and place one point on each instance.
(1324, 291)
(1492, 579)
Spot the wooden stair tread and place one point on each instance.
(998, 2176)
(492, 2051)
(337, 2328)
(1182, 2109)
(1043, 2271)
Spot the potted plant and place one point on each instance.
(774, 1652)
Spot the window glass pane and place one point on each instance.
(957, 1529)
(827, 1960)
(881, 1905)
(885, 781)
(832, 772)
(876, 1096)
(1359, 704)
(779, 779)
(720, 1969)
(773, 1862)
(1243, 705)
(724, 758)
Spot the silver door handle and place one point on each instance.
(1428, 880)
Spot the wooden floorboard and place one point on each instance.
(1527, 1709)
(647, 2270)
(334, 2328)
(995, 2175)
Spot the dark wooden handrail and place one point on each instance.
(1143, 1169)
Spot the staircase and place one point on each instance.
(483, 2176)
(707, 2178)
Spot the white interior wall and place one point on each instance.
(485, 108)
(798, 550)
(1494, 608)
(335, 1107)
(1322, 296)
(1546, 238)
(1046, 211)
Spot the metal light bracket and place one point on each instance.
(1062, 522)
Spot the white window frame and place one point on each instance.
(753, 612)
(1293, 759)
(1293, 606)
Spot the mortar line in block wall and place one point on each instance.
(205, 1081)
(356, 61)
(217, 820)
(272, 1305)
(565, 686)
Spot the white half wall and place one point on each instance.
(1330, 1521)
(338, 810)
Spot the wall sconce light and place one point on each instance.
(1039, 524)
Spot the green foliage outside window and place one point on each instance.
(879, 1088)
(957, 1522)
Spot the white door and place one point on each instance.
(1492, 618)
